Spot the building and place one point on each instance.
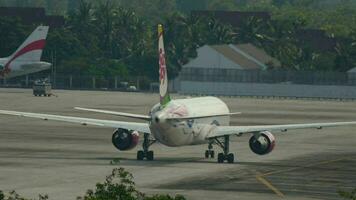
(351, 76)
(31, 16)
(225, 63)
(241, 56)
(317, 39)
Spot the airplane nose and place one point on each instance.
(159, 118)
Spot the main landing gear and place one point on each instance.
(224, 144)
(210, 152)
(145, 153)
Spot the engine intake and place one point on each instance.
(124, 139)
(263, 143)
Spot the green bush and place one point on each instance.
(14, 196)
(348, 195)
(119, 185)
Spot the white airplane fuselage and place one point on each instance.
(22, 67)
(27, 58)
(177, 132)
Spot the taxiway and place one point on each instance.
(63, 160)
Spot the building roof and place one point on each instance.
(32, 15)
(241, 56)
(317, 39)
(353, 70)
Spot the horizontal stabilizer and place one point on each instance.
(129, 115)
(202, 116)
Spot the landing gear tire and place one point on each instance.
(230, 158)
(212, 154)
(145, 153)
(140, 155)
(226, 155)
(207, 154)
(150, 155)
(221, 158)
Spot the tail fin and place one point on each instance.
(163, 87)
(31, 49)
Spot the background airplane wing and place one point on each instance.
(232, 130)
(140, 127)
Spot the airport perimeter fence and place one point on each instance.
(196, 81)
(271, 76)
(273, 83)
(83, 82)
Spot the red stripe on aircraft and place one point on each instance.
(37, 45)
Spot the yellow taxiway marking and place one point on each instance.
(261, 177)
(306, 166)
(268, 184)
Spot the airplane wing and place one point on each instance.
(140, 127)
(129, 115)
(233, 130)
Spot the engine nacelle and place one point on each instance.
(124, 139)
(263, 143)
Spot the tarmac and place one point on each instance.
(64, 160)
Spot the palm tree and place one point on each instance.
(104, 20)
(253, 30)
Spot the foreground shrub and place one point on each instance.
(14, 196)
(348, 195)
(119, 185)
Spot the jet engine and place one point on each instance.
(124, 139)
(262, 143)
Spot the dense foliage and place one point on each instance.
(118, 185)
(348, 195)
(118, 37)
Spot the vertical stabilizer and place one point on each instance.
(163, 79)
(30, 50)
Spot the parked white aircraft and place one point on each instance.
(27, 58)
(182, 122)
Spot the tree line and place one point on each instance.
(106, 38)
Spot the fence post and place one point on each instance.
(115, 83)
(138, 83)
(93, 79)
(70, 81)
(26, 82)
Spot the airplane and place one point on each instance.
(27, 58)
(181, 122)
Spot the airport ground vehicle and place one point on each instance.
(42, 88)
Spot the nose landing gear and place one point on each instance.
(145, 153)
